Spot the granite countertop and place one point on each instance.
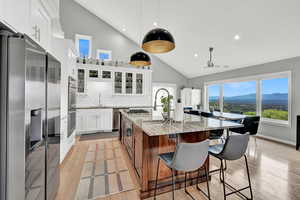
(153, 125)
(110, 107)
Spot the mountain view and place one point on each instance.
(274, 105)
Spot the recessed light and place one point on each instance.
(155, 24)
(237, 37)
(196, 55)
(124, 29)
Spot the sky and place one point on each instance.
(84, 48)
(279, 85)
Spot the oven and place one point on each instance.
(72, 90)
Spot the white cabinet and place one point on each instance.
(191, 97)
(39, 19)
(129, 82)
(15, 14)
(81, 81)
(40, 24)
(94, 120)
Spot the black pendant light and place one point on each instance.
(158, 40)
(140, 59)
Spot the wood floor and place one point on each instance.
(274, 169)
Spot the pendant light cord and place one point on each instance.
(141, 23)
(158, 11)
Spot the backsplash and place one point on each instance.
(101, 93)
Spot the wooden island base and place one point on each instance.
(143, 150)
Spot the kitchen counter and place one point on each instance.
(145, 136)
(153, 125)
(110, 107)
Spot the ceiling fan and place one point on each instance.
(210, 63)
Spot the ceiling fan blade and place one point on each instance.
(217, 66)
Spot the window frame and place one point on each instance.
(165, 85)
(104, 51)
(84, 37)
(258, 79)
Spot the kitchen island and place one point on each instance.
(145, 136)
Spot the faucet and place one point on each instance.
(169, 105)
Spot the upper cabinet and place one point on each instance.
(139, 80)
(123, 80)
(39, 19)
(129, 83)
(118, 83)
(14, 13)
(40, 24)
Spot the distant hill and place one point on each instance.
(275, 98)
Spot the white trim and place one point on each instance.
(276, 122)
(104, 51)
(275, 139)
(160, 84)
(84, 37)
(258, 79)
(251, 78)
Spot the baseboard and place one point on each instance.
(78, 133)
(276, 140)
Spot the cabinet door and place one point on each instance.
(118, 83)
(138, 150)
(15, 13)
(139, 79)
(81, 78)
(40, 24)
(80, 123)
(129, 83)
(91, 122)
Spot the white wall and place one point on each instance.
(77, 20)
(63, 49)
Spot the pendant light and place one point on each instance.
(140, 59)
(158, 40)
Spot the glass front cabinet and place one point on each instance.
(81, 87)
(118, 83)
(139, 83)
(128, 83)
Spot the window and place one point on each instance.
(214, 97)
(274, 94)
(104, 55)
(240, 97)
(84, 45)
(266, 95)
(170, 87)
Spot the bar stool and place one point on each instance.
(188, 157)
(233, 149)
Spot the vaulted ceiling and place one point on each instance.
(268, 30)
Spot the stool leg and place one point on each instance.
(157, 170)
(207, 182)
(248, 174)
(173, 181)
(222, 172)
(185, 181)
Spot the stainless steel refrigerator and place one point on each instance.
(29, 119)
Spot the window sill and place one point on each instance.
(275, 122)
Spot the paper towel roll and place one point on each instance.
(178, 114)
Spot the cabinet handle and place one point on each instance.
(35, 28)
(39, 34)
